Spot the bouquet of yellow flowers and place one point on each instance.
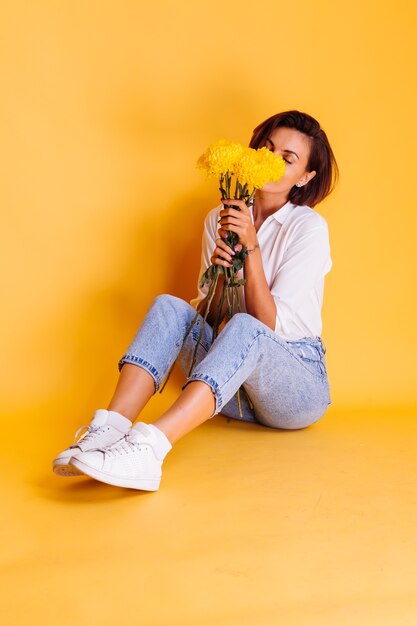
(252, 169)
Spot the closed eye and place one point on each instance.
(286, 160)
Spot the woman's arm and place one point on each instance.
(259, 301)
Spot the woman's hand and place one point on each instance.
(222, 254)
(239, 222)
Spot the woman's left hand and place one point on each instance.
(239, 222)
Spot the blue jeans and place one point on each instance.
(285, 380)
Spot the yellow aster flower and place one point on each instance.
(220, 157)
(258, 167)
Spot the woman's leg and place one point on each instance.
(287, 393)
(134, 388)
(156, 345)
(287, 390)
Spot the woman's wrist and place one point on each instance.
(249, 250)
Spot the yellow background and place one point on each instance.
(105, 108)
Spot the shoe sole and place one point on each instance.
(65, 469)
(144, 484)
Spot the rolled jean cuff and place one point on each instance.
(137, 360)
(214, 386)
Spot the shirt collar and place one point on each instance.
(280, 214)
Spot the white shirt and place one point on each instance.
(295, 250)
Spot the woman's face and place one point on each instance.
(294, 147)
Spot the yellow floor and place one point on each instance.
(250, 526)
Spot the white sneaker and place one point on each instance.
(135, 461)
(105, 428)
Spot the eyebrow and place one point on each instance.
(292, 151)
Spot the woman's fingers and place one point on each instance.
(240, 203)
(221, 255)
(217, 261)
(221, 244)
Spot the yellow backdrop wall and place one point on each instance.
(105, 108)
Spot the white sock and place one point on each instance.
(164, 444)
(116, 419)
(158, 439)
(119, 421)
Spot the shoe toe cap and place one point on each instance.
(64, 457)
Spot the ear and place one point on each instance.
(308, 177)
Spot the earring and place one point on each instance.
(298, 184)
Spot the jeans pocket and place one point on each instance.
(311, 356)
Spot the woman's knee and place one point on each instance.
(169, 303)
(243, 319)
(168, 299)
(241, 323)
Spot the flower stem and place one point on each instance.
(238, 403)
(249, 400)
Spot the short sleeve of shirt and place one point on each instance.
(304, 264)
(208, 243)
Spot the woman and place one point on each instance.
(272, 347)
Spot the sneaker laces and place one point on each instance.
(91, 432)
(128, 444)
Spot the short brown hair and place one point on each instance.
(321, 158)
